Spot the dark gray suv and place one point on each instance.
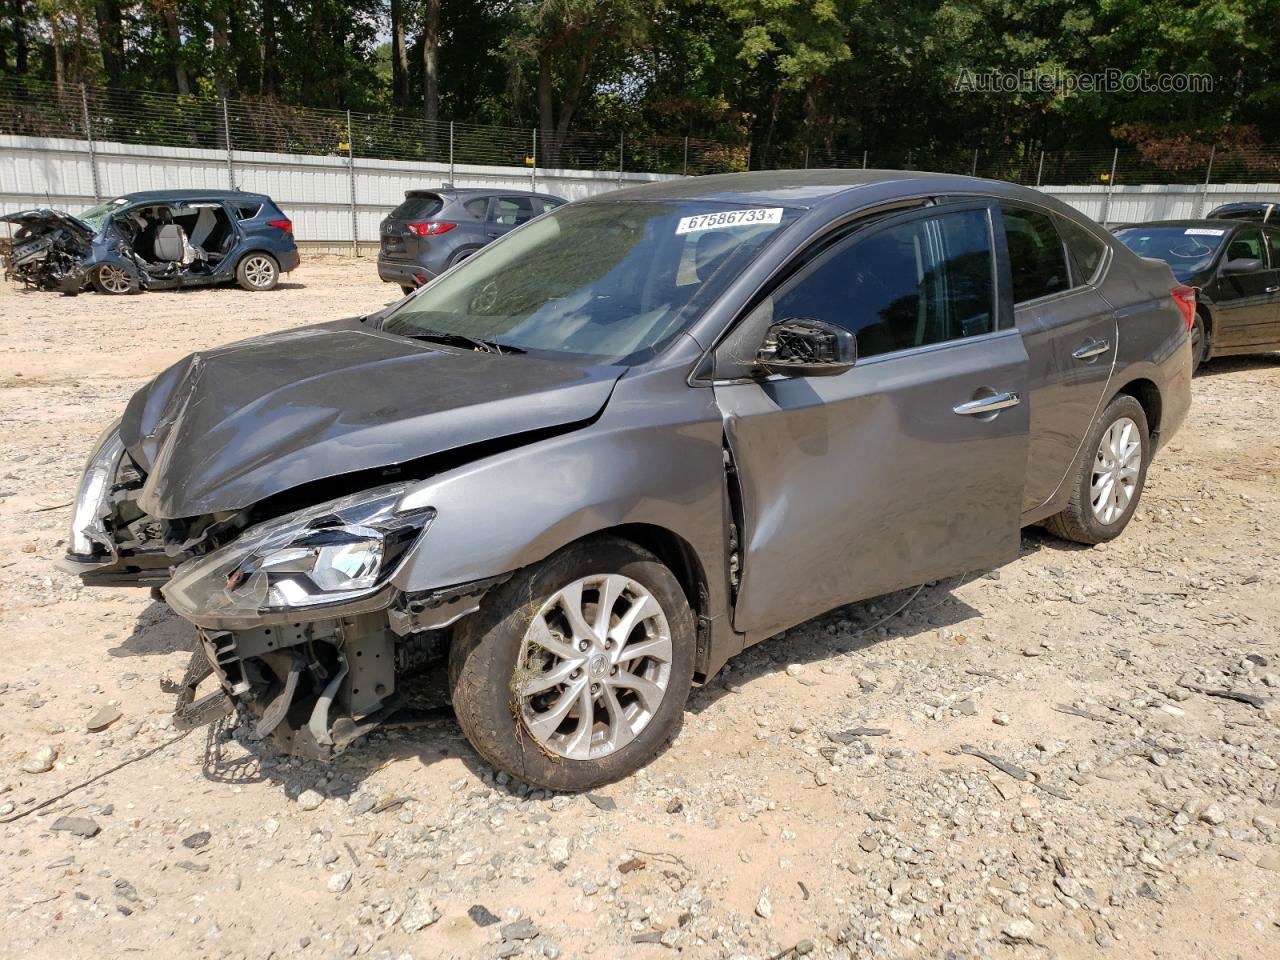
(434, 229)
(641, 433)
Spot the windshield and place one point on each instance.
(609, 282)
(1187, 250)
(97, 215)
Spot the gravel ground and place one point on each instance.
(1016, 763)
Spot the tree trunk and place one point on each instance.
(399, 56)
(221, 51)
(55, 46)
(546, 111)
(173, 30)
(20, 40)
(110, 40)
(267, 48)
(431, 62)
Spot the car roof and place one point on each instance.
(1217, 224)
(163, 196)
(1248, 205)
(815, 188)
(477, 192)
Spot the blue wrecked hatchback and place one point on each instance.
(155, 240)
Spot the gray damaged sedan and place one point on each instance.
(634, 436)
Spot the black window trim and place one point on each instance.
(856, 226)
(1093, 282)
(1066, 255)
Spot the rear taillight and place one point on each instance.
(432, 228)
(1184, 298)
(285, 225)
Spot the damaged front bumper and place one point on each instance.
(314, 687)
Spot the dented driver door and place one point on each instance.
(910, 465)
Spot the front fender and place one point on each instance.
(645, 460)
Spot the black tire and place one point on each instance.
(482, 666)
(1199, 342)
(113, 281)
(258, 272)
(406, 289)
(1078, 521)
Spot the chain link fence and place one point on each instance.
(43, 109)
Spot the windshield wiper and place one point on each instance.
(462, 340)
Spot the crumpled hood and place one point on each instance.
(43, 217)
(225, 428)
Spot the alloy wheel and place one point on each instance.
(1116, 466)
(594, 667)
(113, 279)
(259, 271)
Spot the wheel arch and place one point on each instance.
(1148, 396)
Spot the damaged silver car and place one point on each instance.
(632, 437)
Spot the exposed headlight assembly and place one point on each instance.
(88, 530)
(334, 553)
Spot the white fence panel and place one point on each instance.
(315, 191)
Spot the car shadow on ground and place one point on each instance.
(1244, 362)
(427, 732)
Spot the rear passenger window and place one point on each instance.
(921, 282)
(513, 211)
(1086, 250)
(1036, 254)
(247, 211)
(549, 205)
(477, 207)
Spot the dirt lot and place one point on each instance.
(819, 801)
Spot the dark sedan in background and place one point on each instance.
(434, 229)
(1234, 266)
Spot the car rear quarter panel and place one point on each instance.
(1154, 343)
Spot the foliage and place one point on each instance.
(798, 80)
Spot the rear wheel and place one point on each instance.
(258, 271)
(113, 280)
(406, 289)
(1199, 343)
(1110, 477)
(575, 672)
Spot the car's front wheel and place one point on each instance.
(258, 271)
(1110, 476)
(113, 280)
(575, 672)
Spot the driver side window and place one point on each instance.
(925, 281)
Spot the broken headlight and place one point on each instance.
(331, 553)
(88, 530)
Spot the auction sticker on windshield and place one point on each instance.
(729, 218)
(1204, 232)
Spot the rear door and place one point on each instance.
(1246, 304)
(908, 466)
(508, 212)
(1070, 335)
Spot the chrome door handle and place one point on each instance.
(1273, 289)
(997, 401)
(1094, 348)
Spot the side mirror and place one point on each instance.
(1242, 265)
(799, 346)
